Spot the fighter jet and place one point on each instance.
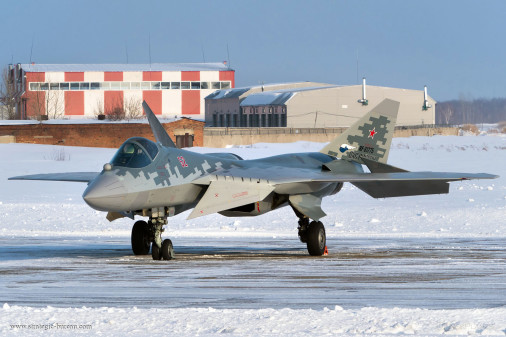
(158, 180)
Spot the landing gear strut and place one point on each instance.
(313, 235)
(146, 234)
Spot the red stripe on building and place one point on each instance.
(113, 100)
(190, 102)
(151, 75)
(113, 76)
(190, 76)
(74, 77)
(154, 100)
(74, 103)
(228, 76)
(35, 100)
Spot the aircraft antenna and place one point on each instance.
(228, 57)
(31, 51)
(149, 43)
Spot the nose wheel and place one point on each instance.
(149, 234)
(140, 238)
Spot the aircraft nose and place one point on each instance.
(106, 193)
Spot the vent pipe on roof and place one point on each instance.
(426, 106)
(364, 100)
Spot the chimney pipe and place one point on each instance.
(426, 106)
(364, 100)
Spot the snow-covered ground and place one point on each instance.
(473, 210)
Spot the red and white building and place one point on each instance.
(86, 90)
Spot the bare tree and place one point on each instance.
(47, 102)
(9, 93)
(55, 104)
(99, 108)
(133, 108)
(114, 111)
(447, 113)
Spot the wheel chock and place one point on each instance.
(326, 251)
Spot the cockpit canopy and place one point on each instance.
(135, 153)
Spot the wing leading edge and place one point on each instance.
(80, 177)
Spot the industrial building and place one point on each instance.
(89, 90)
(311, 105)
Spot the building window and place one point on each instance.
(283, 120)
(117, 85)
(34, 86)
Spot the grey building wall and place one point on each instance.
(224, 105)
(338, 106)
(311, 105)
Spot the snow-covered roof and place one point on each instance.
(277, 97)
(218, 66)
(227, 93)
(267, 98)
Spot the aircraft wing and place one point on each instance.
(377, 185)
(81, 177)
(279, 175)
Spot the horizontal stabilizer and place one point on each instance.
(388, 189)
(81, 177)
(224, 195)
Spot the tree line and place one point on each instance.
(476, 111)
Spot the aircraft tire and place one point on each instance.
(156, 253)
(316, 238)
(140, 238)
(167, 250)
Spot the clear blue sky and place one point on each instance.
(457, 48)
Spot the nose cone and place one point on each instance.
(106, 193)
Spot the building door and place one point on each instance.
(185, 140)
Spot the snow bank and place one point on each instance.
(262, 322)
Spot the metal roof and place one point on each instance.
(277, 97)
(267, 98)
(227, 93)
(218, 66)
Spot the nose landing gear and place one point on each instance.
(146, 234)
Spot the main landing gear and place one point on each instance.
(313, 235)
(146, 234)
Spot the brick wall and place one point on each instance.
(110, 135)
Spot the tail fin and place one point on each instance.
(159, 132)
(369, 138)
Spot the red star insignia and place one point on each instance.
(372, 133)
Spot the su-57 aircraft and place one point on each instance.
(158, 180)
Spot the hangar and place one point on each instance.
(312, 105)
(88, 90)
